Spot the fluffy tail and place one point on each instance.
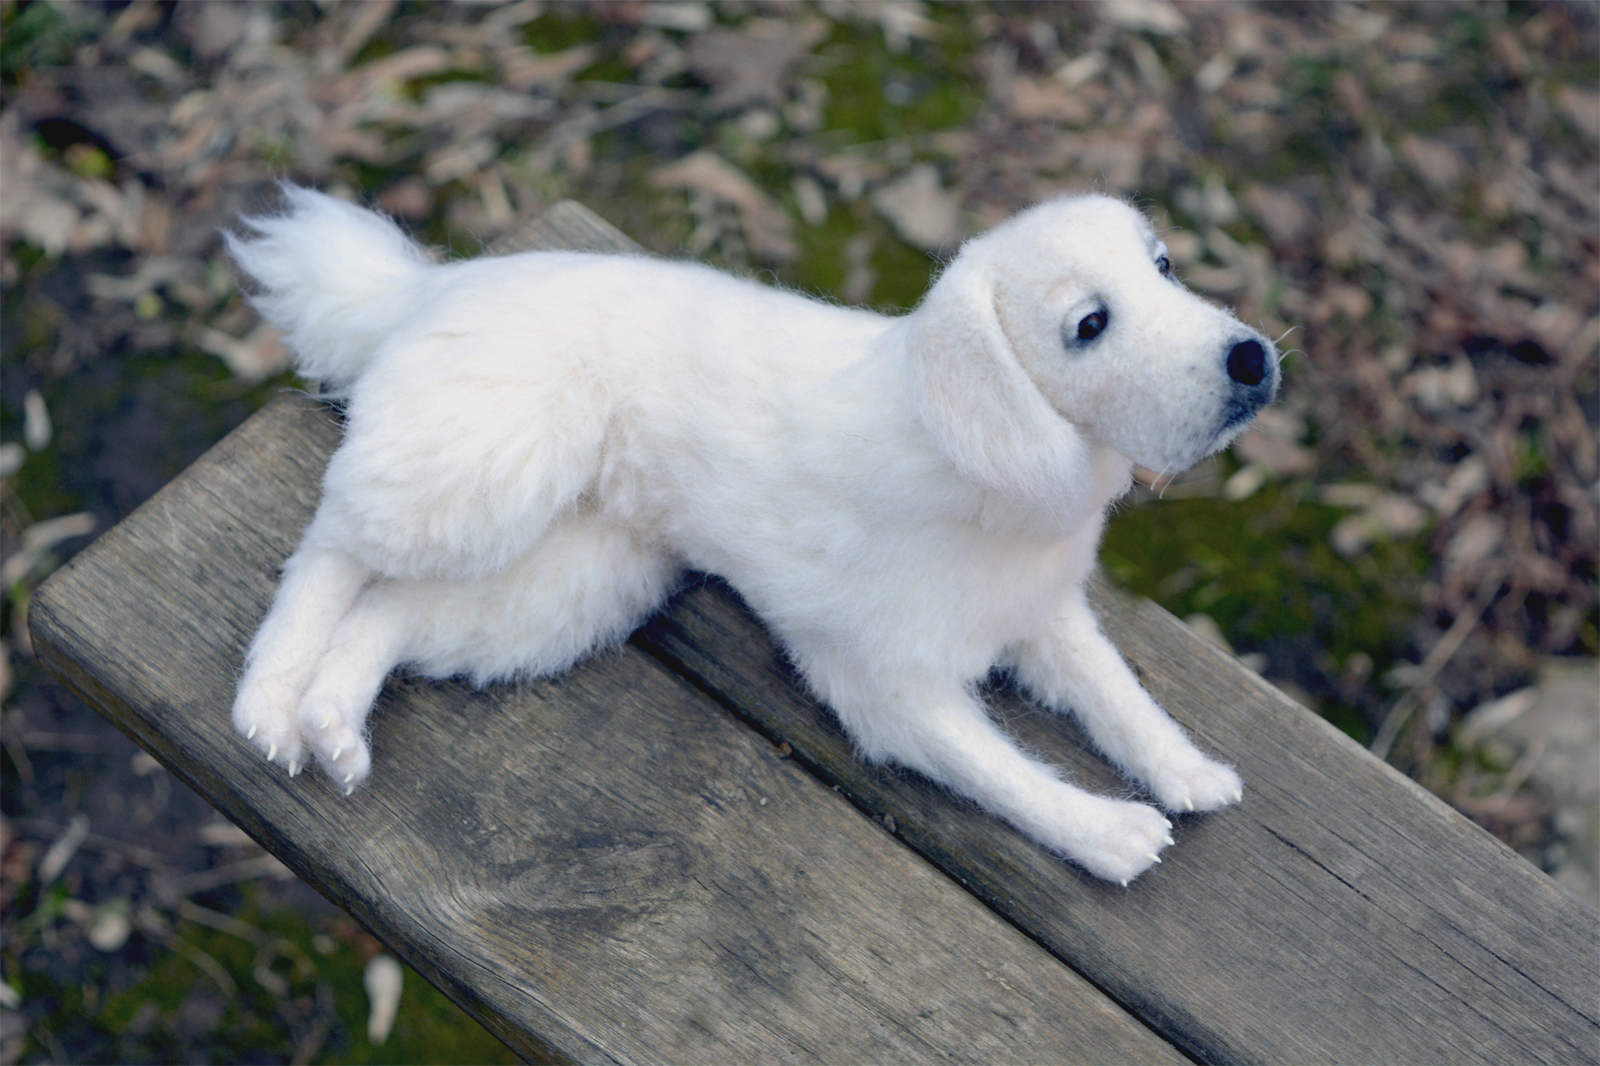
(334, 277)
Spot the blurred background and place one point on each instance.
(1407, 194)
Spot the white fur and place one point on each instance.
(539, 445)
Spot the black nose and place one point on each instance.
(1247, 363)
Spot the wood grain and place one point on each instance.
(1340, 914)
(567, 225)
(604, 866)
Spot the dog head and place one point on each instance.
(1063, 328)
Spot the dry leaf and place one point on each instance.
(522, 68)
(1151, 16)
(1466, 480)
(1582, 109)
(1045, 99)
(259, 355)
(383, 980)
(751, 66)
(1285, 218)
(1436, 163)
(1475, 541)
(921, 210)
(768, 230)
(1284, 458)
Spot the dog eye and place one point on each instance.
(1165, 266)
(1093, 324)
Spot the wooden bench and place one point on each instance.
(670, 854)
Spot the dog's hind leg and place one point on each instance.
(318, 586)
(333, 712)
(951, 739)
(1074, 666)
(584, 586)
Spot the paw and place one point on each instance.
(264, 715)
(1196, 783)
(333, 733)
(1127, 840)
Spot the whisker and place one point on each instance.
(1161, 493)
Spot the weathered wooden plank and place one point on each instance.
(1341, 913)
(567, 225)
(600, 867)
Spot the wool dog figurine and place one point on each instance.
(538, 446)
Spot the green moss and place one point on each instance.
(556, 32)
(877, 95)
(607, 69)
(185, 389)
(88, 161)
(821, 268)
(272, 1001)
(39, 34)
(1530, 462)
(903, 275)
(1264, 570)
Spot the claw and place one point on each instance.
(272, 752)
(252, 734)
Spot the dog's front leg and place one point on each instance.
(949, 737)
(1073, 666)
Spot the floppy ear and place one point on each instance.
(983, 409)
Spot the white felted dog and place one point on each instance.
(539, 445)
